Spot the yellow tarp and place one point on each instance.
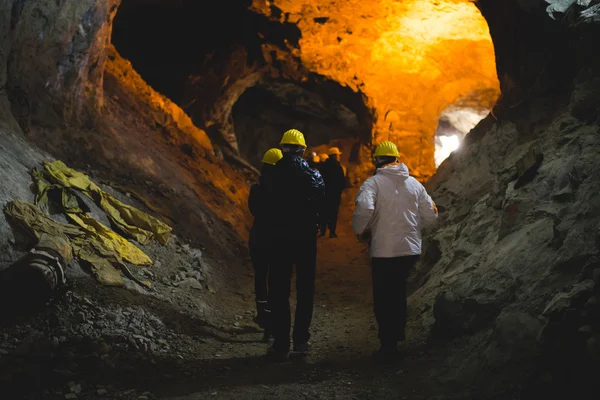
(92, 242)
(110, 242)
(69, 201)
(101, 267)
(26, 217)
(60, 244)
(134, 223)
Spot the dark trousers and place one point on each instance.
(332, 206)
(259, 254)
(301, 252)
(389, 296)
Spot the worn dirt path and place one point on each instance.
(343, 337)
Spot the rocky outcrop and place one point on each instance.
(54, 57)
(246, 105)
(510, 263)
(69, 92)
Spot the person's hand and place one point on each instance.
(364, 237)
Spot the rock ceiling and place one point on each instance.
(411, 59)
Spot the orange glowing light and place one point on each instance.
(412, 59)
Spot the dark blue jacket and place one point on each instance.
(296, 196)
(333, 175)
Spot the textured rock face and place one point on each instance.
(510, 263)
(56, 56)
(70, 93)
(411, 59)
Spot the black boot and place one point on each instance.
(388, 354)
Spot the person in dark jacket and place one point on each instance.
(259, 244)
(296, 198)
(335, 183)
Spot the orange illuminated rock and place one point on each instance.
(412, 59)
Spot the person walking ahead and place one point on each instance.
(259, 243)
(391, 208)
(335, 183)
(296, 196)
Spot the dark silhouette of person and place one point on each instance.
(296, 198)
(335, 183)
(261, 252)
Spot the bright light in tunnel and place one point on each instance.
(445, 146)
(454, 124)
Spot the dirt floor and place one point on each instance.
(343, 337)
(182, 349)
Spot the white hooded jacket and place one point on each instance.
(394, 207)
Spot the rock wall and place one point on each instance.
(212, 93)
(56, 56)
(514, 258)
(266, 110)
(69, 92)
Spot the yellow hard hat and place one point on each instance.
(323, 157)
(272, 156)
(334, 150)
(293, 136)
(386, 149)
(316, 159)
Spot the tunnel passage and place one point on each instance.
(411, 59)
(457, 120)
(400, 69)
(328, 114)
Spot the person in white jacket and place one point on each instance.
(391, 209)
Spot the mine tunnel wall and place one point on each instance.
(517, 229)
(61, 93)
(518, 203)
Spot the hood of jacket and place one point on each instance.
(394, 170)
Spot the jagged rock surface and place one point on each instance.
(512, 259)
(71, 93)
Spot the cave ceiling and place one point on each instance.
(411, 59)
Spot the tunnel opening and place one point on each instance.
(328, 115)
(457, 120)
